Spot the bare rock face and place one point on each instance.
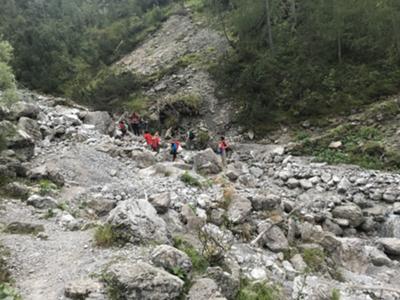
(170, 258)
(142, 281)
(101, 120)
(137, 221)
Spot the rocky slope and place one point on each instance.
(304, 230)
(174, 61)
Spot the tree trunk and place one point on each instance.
(339, 47)
(269, 25)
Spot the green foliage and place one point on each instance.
(46, 187)
(362, 145)
(4, 272)
(7, 81)
(301, 59)
(335, 294)
(105, 236)
(61, 45)
(257, 291)
(199, 262)
(190, 180)
(8, 293)
(203, 138)
(314, 258)
(49, 214)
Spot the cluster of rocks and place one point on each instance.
(267, 216)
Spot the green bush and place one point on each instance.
(257, 291)
(314, 258)
(46, 187)
(105, 236)
(8, 293)
(190, 180)
(335, 294)
(199, 262)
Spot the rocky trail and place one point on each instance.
(305, 228)
(86, 215)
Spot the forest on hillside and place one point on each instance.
(289, 59)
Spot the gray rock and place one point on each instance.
(391, 245)
(171, 259)
(390, 195)
(205, 289)
(23, 228)
(344, 185)
(42, 202)
(143, 159)
(31, 127)
(274, 238)
(377, 257)
(228, 284)
(298, 263)
(17, 190)
(161, 202)
(256, 171)
(101, 206)
(17, 140)
(292, 183)
(352, 213)
(306, 184)
(82, 289)
(47, 172)
(133, 281)
(24, 109)
(101, 120)
(396, 208)
(265, 201)
(138, 222)
(68, 222)
(233, 175)
(207, 162)
(239, 209)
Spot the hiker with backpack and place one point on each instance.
(175, 145)
(148, 138)
(122, 127)
(222, 148)
(155, 142)
(190, 140)
(135, 123)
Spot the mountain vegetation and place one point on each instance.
(289, 59)
(308, 58)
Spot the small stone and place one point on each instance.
(306, 184)
(292, 183)
(335, 145)
(344, 185)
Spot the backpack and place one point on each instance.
(191, 135)
(174, 148)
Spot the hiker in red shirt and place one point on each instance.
(148, 138)
(222, 146)
(155, 142)
(122, 127)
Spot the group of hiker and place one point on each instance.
(134, 122)
(153, 141)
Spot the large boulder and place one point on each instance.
(143, 159)
(42, 202)
(136, 220)
(391, 246)
(207, 162)
(205, 289)
(31, 127)
(239, 209)
(101, 120)
(17, 140)
(142, 281)
(83, 289)
(47, 172)
(23, 109)
(160, 202)
(228, 283)
(350, 212)
(171, 259)
(273, 238)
